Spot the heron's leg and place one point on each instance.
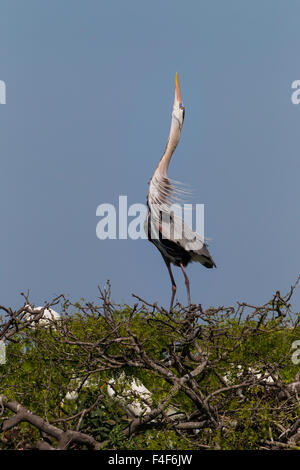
(172, 280)
(187, 283)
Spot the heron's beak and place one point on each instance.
(177, 89)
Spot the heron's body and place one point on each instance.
(178, 250)
(176, 241)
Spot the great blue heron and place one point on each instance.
(176, 241)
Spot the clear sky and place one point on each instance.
(90, 87)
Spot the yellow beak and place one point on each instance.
(177, 88)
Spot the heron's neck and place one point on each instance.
(170, 147)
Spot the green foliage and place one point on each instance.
(44, 364)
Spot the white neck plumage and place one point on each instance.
(160, 188)
(170, 147)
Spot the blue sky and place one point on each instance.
(90, 86)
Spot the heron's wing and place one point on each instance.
(191, 241)
(173, 229)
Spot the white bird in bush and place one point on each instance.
(238, 371)
(134, 397)
(49, 315)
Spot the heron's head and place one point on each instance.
(178, 108)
